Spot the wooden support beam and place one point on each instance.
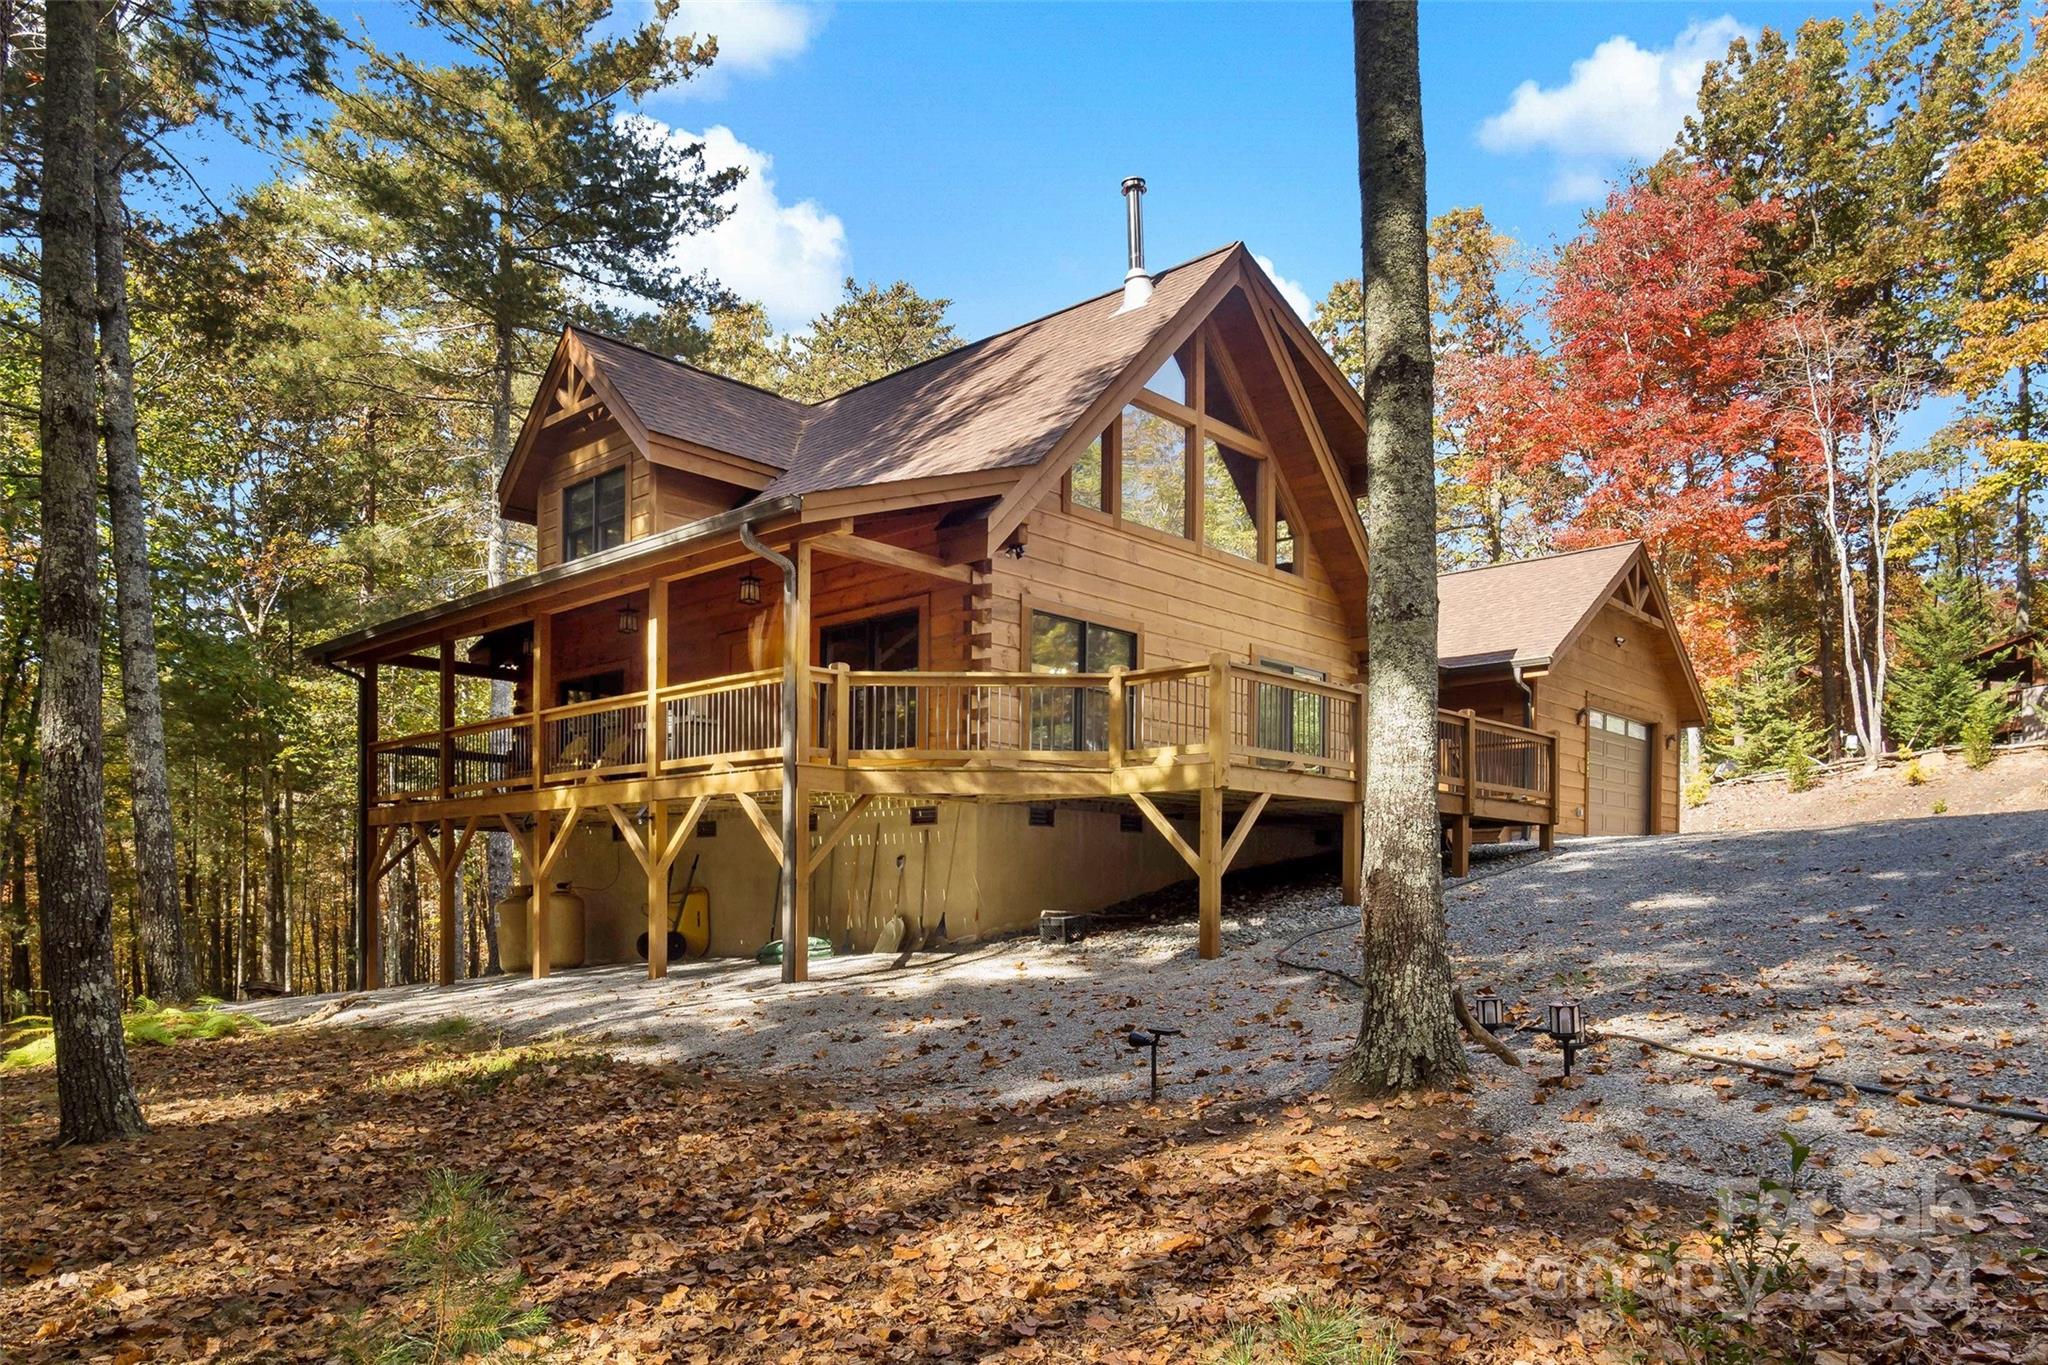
(447, 867)
(657, 889)
(1461, 846)
(656, 630)
(1352, 842)
(796, 950)
(680, 834)
(1166, 830)
(445, 766)
(543, 690)
(634, 843)
(462, 667)
(536, 912)
(1209, 871)
(1243, 828)
(762, 824)
(849, 546)
(831, 838)
(412, 839)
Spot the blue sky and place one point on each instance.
(975, 149)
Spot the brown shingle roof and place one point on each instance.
(998, 403)
(696, 405)
(1524, 611)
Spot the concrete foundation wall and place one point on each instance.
(983, 868)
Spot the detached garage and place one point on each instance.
(1580, 646)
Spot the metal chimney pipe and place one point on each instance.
(1137, 283)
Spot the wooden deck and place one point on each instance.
(1206, 739)
(1492, 775)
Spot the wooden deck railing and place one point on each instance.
(1490, 760)
(1245, 716)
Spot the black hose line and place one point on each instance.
(1715, 1059)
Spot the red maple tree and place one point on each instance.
(1648, 407)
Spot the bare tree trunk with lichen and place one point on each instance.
(95, 1094)
(1407, 1036)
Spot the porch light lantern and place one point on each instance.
(750, 590)
(1565, 1021)
(1492, 1013)
(629, 620)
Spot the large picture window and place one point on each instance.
(1154, 474)
(594, 514)
(1186, 458)
(1075, 718)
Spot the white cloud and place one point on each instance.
(1289, 289)
(790, 258)
(754, 36)
(1623, 102)
(1578, 185)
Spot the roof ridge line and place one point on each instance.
(1633, 541)
(650, 352)
(1017, 327)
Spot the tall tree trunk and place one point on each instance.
(95, 1094)
(497, 567)
(166, 960)
(276, 927)
(1407, 1037)
(2023, 509)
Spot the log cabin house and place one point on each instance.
(1587, 654)
(1054, 619)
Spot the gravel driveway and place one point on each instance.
(1910, 952)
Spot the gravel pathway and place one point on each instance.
(1006, 1023)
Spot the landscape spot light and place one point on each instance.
(1565, 1021)
(1151, 1037)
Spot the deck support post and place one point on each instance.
(537, 903)
(542, 674)
(656, 629)
(796, 948)
(1352, 843)
(1549, 836)
(447, 870)
(1461, 846)
(1209, 871)
(656, 865)
(368, 968)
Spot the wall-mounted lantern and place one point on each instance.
(750, 590)
(629, 620)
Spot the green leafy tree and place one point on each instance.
(871, 332)
(1938, 682)
(1994, 199)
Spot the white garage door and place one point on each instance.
(1617, 774)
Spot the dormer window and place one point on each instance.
(594, 514)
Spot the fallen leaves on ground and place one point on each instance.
(662, 1214)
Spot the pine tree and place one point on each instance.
(95, 1094)
(1765, 721)
(1938, 681)
(514, 180)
